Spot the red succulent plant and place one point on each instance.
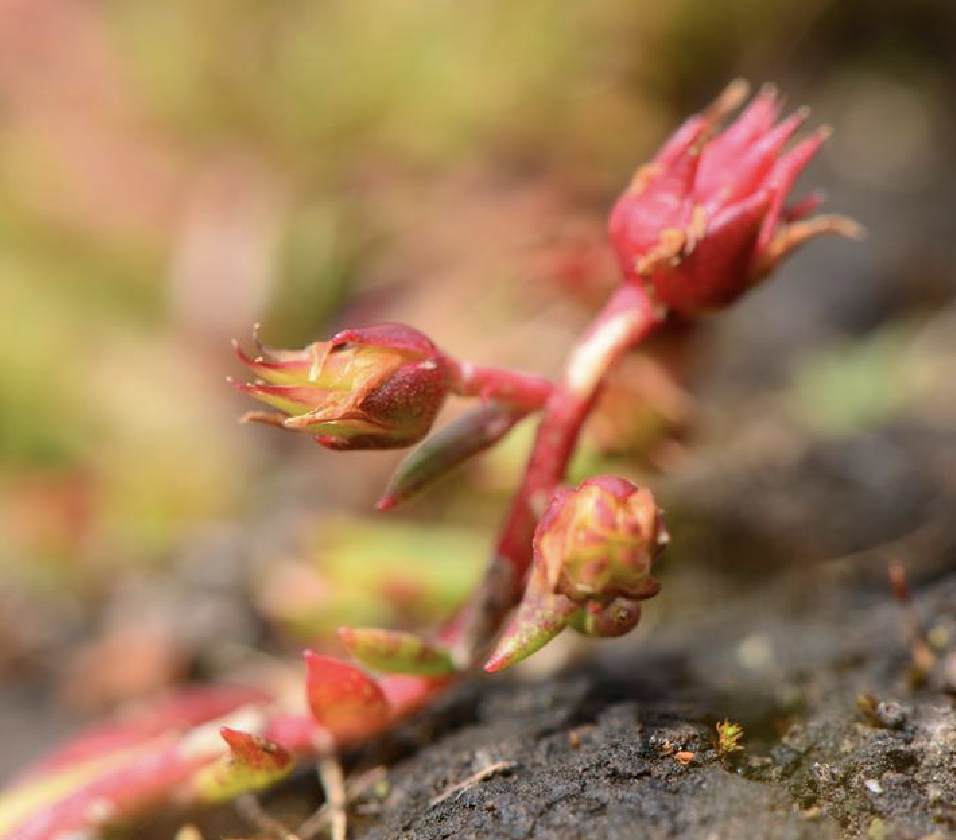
(699, 225)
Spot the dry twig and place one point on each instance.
(460, 787)
(354, 789)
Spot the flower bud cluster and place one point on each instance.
(593, 551)
(706, 219)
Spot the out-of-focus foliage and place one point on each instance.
(359, 571)
(858, 384)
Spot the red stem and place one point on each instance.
(626, 319)
(523, 390)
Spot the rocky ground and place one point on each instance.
(606, 752)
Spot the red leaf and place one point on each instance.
(344, 699)
(178, 712)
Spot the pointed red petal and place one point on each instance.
(677, 176)
(781, 179)
(717, 271)
(803, 207)
(390, 336)
(749, 169)
(659, 202)
(680, 141)
(756, 119)
(296, 364)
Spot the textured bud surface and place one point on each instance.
(375, 388)
(593, 551)
(598, 542)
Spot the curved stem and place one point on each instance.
(627, 318)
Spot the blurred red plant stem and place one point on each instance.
(525, 391)
(627, 318)
(147, 777)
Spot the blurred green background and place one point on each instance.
(172, 171)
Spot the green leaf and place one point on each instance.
(538, 619)
(397, 653)
(449, 448)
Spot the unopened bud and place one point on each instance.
(374, 388)
(598, 542)
(593, 551)
(708, 218)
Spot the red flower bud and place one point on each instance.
(593, 550)
(706, 220)
(598, 542)
(374, 388)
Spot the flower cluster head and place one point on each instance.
(598, 541)
(375, 388)
(707, 218)
(593, 551)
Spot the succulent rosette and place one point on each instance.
(707, 218)
(375, 388)
(593, 551)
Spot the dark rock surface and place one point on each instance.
(594, 754)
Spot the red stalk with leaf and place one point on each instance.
(703, 222)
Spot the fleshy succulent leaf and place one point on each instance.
(253, 763)
(442, 452)
(538, 619)
(396, 652)
(96, 795)
(344, 699)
